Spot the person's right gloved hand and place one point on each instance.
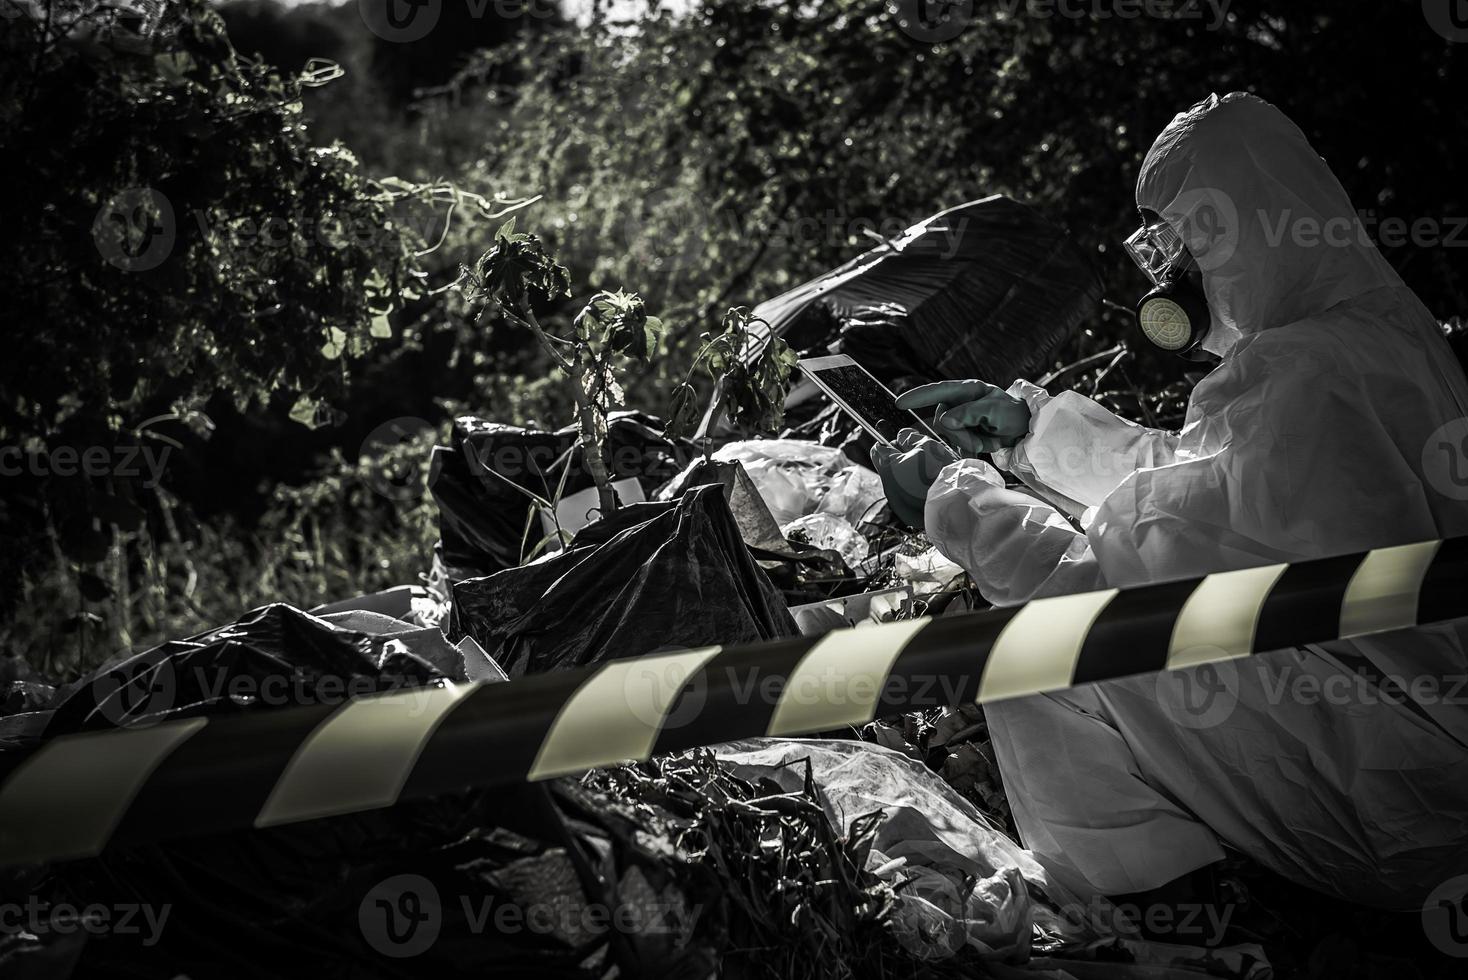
(908, 470)
(975, 415)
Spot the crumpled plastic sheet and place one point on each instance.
(832, 533)
(205, 674)
(963, 881)
(656, 576)
(938, 837)
(798, 478)
(756, 524)
(927, 573)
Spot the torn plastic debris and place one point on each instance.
(961, 881)
(539, 880)
(934, 836)
(831, 533)
(474, 664)
(990, 287)
(855, 610)
(800, 571)
(756, 524)
(575, 511)
(415, 604)
(927, 573)
(798, 478)
(671, 576)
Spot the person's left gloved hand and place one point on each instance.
(908, 471)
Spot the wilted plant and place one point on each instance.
(751, 370)
(612, 326)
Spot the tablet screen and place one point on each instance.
(863, 396)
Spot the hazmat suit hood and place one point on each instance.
(1270, 226)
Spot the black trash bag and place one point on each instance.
(275, 656)
(673, 575)
(483, 517)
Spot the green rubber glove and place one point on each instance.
(976, 415)
(908, 470)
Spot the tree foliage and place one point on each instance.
(178, 235)
(722, 155)
(706, 160)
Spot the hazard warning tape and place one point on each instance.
(75, 795)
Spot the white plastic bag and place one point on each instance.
(833, 533)
(932, 835)
(927, 573)
(799, 478)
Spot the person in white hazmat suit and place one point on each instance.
(1333, 424)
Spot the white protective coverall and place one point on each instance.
(1318, 434)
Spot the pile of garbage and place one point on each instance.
(812, 516)
(889, 852)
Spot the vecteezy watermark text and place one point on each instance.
(93, 461)
(142, 699)
(402, 916)
(406, 21)
(1188, 923)
(41, 918)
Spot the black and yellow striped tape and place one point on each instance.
(77, 794)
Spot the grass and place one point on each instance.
(358, 527)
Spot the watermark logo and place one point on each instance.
(141, 695)
(1448, 17)
(1200, 697)
(1445, 917)
(1208, 222)
(1286, 684)
(1445, 459)
(405, 21)
(135, 230)
(136, 699)
(400, 21)
(665, 692)
(932, 21)
(401, 916)
(400, 477)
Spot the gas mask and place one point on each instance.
(1174, 315)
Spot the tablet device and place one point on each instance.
(863, 397)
